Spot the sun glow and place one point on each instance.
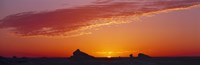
(109, 56)
(110, 52)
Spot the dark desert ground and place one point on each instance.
(81, 58)
(102, 61)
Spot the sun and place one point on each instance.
(109, 56)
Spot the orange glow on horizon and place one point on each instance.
(109, 56)
(115, 29)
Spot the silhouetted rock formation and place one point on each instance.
(143, 56)
(131, 56)
(1, 57)
(79, 55)
(14, 57)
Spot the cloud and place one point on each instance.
(73, 21)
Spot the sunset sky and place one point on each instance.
(56, 28)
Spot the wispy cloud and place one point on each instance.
(72, 21)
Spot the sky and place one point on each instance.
(102, 28)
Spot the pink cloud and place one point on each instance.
(59, 22)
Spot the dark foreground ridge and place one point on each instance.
(82, 58)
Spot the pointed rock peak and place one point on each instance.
(78, 50)
(142, 55)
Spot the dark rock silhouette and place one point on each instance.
(79, 55)
(1, 57)
(131, 56)
(14, 57)
(143, 56)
